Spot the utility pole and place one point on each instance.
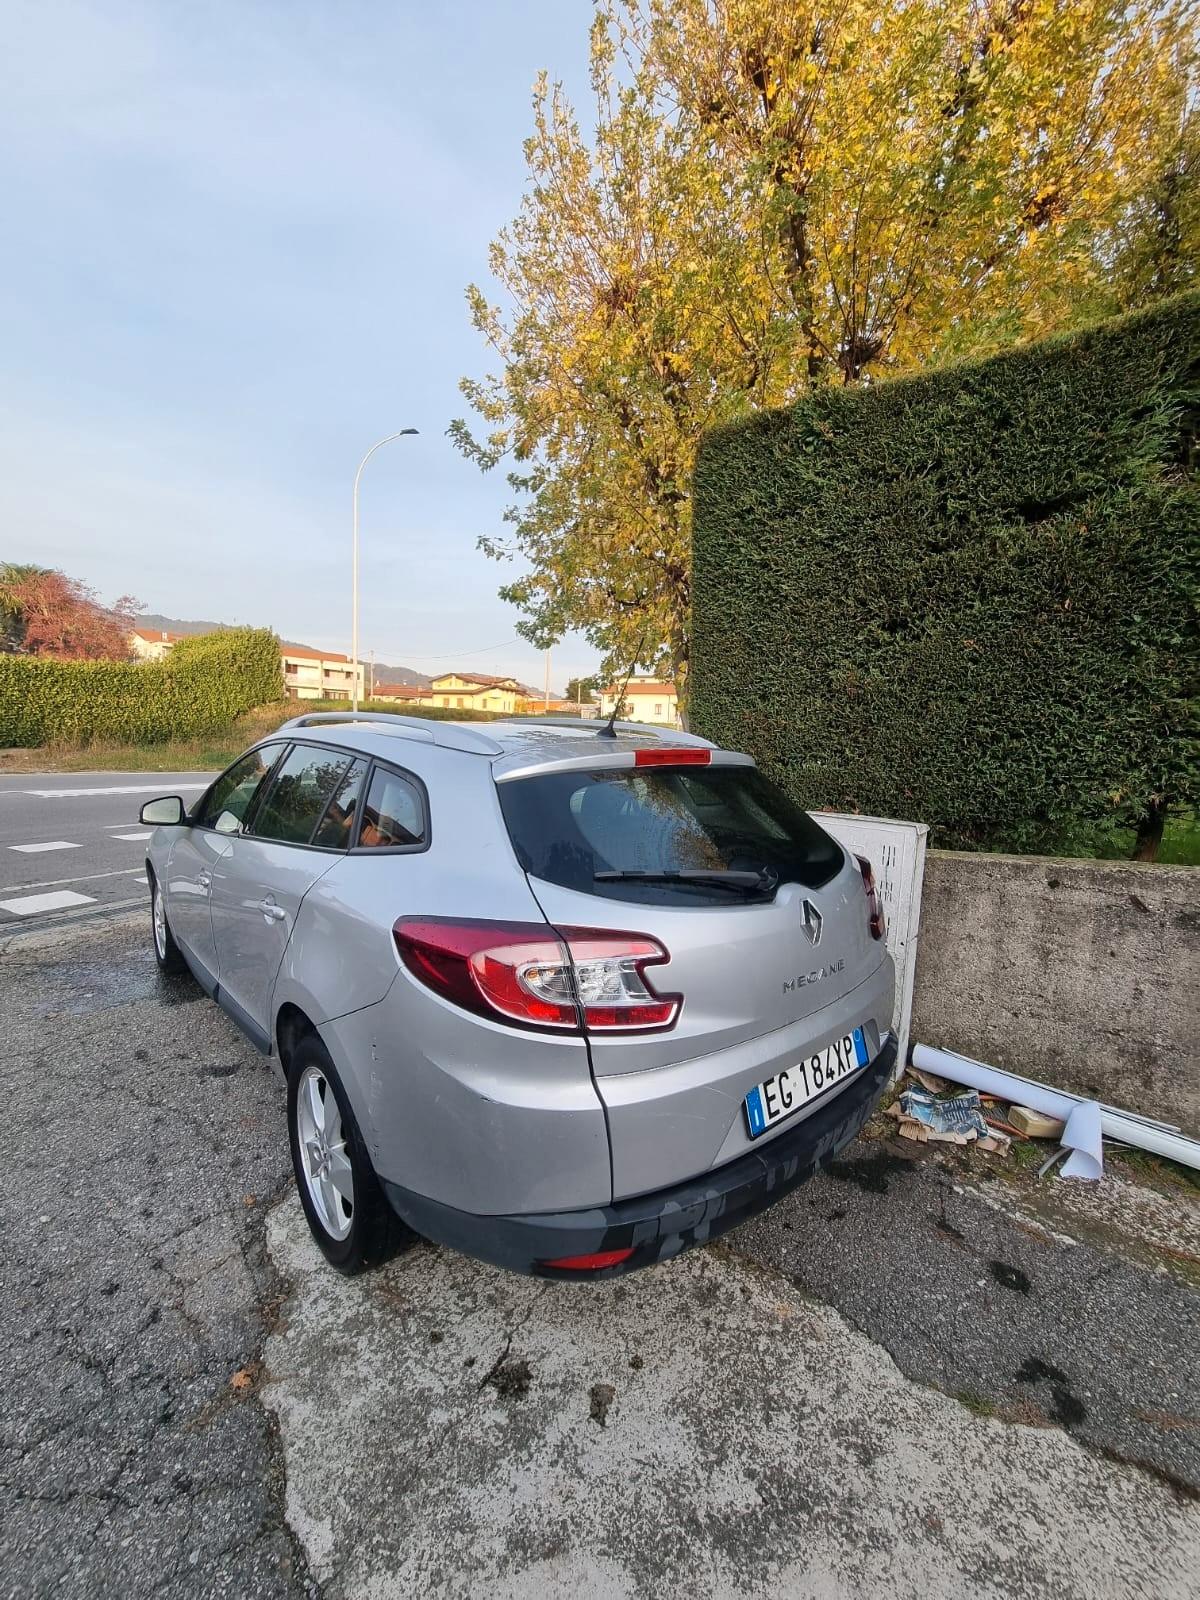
(546, 701)
(371, 679)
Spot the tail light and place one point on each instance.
(876, 920)
(538, 976)
(688, 756)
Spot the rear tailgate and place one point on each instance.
(764, 975)
(743, 969)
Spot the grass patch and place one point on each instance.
(207, 754)
(1180, 842)
(1144, 1166)
(976, 1403)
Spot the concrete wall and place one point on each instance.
(1084, 974)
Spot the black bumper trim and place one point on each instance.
(661, 1224)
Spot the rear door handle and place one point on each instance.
(204, 879)
(271, 911)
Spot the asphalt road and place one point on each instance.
(911, 1378)
(71, 841)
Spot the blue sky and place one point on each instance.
(234, 247)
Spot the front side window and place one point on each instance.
(300, 791)
(394, 815)
(604, 833)
(225, 806)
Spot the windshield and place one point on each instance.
(568, 827)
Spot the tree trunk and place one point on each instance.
(1150, 832)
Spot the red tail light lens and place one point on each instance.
(876, 920)
(688, 756)
(593, 1263)
(535, 976)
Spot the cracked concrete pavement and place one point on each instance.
(700, 1428)
(144, 1142)
(195, 1405)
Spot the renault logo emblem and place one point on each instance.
(810, 922)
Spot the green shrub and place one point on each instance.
(969, 597)
(199, 688)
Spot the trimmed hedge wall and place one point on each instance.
(967, 598)
(199, 688)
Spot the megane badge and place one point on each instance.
(810, 921)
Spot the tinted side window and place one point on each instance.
(336, 827)
(299, 793)
(227, 803)
(393, 815)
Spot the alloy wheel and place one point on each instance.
(160, 923)
(325, 1166)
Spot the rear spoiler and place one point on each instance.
(611, 760)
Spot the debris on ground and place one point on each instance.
(1036, 1124)
(950, 1119)
(1087, 1123)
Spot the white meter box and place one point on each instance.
(896, 850)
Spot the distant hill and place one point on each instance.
(151, 619)
(383, 672)
(386, 674)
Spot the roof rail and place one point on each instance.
(450, 735)
(592, 725)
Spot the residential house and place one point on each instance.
(152, 644)
(307, 674)
(475, 691)
(643, 700)
(320, 674)
(403, 694)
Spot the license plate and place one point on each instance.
(785, 1093)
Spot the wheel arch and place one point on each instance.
(292, 1024)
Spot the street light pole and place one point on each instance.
(354, 622)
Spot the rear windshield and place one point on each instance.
(569, 826)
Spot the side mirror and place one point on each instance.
(165, 813)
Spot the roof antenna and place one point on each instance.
(608, 731)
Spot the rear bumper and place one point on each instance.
(661, 1224)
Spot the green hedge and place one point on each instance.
(967, 598)
(199, 688)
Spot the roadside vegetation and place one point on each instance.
(209, 752)
(759, 202)
(1180, 842)
(968, 597)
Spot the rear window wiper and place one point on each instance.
(764, 880)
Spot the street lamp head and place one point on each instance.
(403, 431)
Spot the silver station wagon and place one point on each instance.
(567, 998)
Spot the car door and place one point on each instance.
(296, 833)
(198, 847)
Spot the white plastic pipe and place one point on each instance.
(1113, 1124)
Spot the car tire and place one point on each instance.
(166, 952)
(344, 1203)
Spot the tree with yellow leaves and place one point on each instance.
(782, 195)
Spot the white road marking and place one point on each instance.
(145, 882)
(126, 788)
(132, 836)
(82, 877)
(51, 844)
(30, 904)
